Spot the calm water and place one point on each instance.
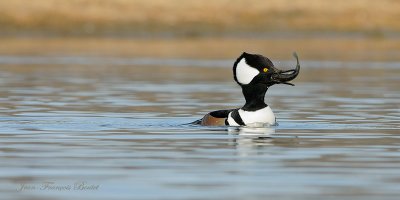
(118, 126)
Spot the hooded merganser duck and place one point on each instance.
(255, 74)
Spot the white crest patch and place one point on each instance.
(245, 73)
(264, 115)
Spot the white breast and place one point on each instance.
(264, 115)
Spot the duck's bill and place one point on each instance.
(286, 83)
(283, 77)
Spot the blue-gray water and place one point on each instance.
(117, 125)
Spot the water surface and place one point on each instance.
(119, 127)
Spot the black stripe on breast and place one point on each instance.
(235, 115)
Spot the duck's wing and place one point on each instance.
(215, 118)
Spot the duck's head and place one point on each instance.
(251, 69)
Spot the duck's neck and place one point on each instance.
(254, 95)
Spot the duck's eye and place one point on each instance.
(265, 69)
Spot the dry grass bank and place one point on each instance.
(93, 17)
(208, 47)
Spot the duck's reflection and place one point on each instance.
(256, 131)
(250, 141)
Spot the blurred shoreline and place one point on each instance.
(191, 18)
(317, 30)
(312, 48)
